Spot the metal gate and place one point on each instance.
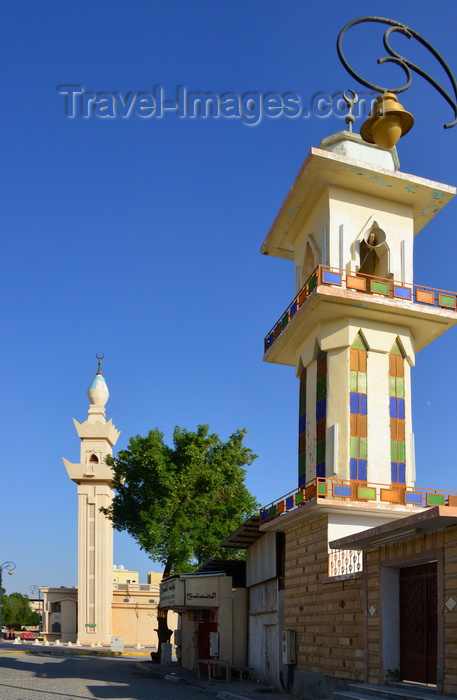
(418, 623)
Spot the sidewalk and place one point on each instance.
(232, 690)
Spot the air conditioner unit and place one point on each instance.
(213, 644)
(154, 600)
(288, 647)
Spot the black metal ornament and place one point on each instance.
(406, 65)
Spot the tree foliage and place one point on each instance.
(179, 502)
(16, 611)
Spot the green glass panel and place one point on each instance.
(395, 349)
(322, 489)
(366, 492)
(302, 403)
(355, 447)
(298, 498)
(380, 287)
(393, 451)
(319, 389)
(435, 499)
(320, 451)
(272, 511)
(302, 464)
(353, 380)
(400, 387)
(285, 320)
(358, 344)
(392, 387)
(312, 283)
(445, 300)
(401, 452)
(362, 381)
(324, 386)
(363, 448)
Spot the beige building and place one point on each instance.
(133, 611)
(213, 611)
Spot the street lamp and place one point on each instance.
(9, 566)
(389, 120)
(36, 589)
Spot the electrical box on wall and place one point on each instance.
(214, 644)
(288, 646)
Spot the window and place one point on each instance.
(358, 410)
(321, 413)
(397, 415)
(56, 627)
(302, 431)
(55, 607)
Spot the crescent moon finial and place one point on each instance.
(100, 359)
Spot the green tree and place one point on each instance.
(17, 612)
(179, 502)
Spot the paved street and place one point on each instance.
(42, 676)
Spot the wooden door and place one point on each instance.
(204, 628)
(418, 623)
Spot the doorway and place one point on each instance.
(418, 622)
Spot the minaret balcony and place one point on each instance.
(344, 492)
(428, 312)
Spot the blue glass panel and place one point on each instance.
(293, 308)
(290, 502)
(302, 423)
(354, 402)
(270, 339)
(363, 404)
(263, 515)
(331, 277)
(301, 480)
(401, 473)
(393, 472)
(321, 409)
(414, 498)
(320, 469)
(340, 490)
(402, 292)
(401, 408)
(393, 407)
(362, 469)
(353, 468)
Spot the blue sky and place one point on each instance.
(140, 238)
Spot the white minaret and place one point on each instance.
(95, 531)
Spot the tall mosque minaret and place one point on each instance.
(95, 532)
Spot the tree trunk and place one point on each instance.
(163, 631)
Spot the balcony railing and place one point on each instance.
(366, 284)
(323, 490)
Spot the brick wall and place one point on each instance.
(327, 615)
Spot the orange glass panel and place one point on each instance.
(356, 283)
(452, 501)
(424, 297)
(391, 496)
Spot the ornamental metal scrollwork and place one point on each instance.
(406, 65)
